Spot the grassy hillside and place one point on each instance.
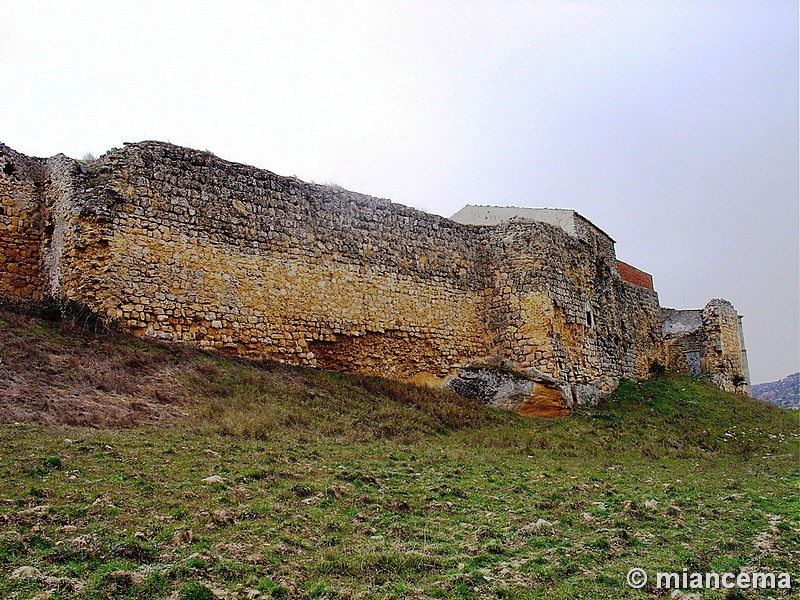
(336, 486)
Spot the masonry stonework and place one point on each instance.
(21, 211)
(180, 245)
(709, 340)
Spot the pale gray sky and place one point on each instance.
(671, 125)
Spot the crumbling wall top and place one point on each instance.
(681, 322)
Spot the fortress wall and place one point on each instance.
(558, 305)
(239, 259)
(78, 215)
(177, 244)
(52, 242)
(724, 348)
(22, 182)
(636, 331)
(601, 245)
(708, 341)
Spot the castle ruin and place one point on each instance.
(179, 245)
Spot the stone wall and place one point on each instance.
(54, 229)
(180, 245)
(558, 305)
(233, 258)
(708, 341)
(22, 183)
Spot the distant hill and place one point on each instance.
(784, 393)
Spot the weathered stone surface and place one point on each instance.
(492, 386)
(180, 245)
(529, 393)
(585, 394)
(708, 341)
(544, 401)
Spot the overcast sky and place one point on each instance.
(673, 126)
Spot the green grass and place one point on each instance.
(339, 486)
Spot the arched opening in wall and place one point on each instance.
(9, 169)
(589, 315)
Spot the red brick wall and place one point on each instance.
(634, 275)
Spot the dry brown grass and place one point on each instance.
(63, 373)
(55, 372)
